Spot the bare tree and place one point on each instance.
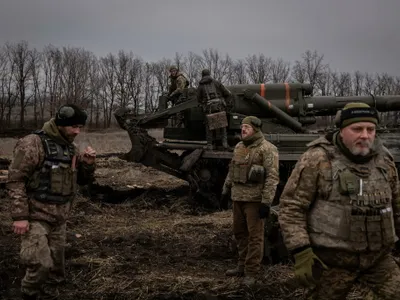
(38, 87)
(53, 71)
(108, 70)
(358, 83)
(160, 71)
(310, 69)
(280, 70)
(135, 83)
(219, 66)
(370, 84)
(259, 68)
(238, 74)
(21, 57)
(341, 84)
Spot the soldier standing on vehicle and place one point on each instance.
(251, 184)
(178, 82)
(213, 96)
(42, 184)
(339, 211)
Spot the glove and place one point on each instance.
(263, 211)
(225, 195)
(308, 268)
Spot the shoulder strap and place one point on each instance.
(53, 151)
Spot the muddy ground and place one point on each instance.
(136, 236)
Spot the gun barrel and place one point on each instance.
(266, 105)
(328, 105)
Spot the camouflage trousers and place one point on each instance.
(378, 273)
(42, 251)
(248, 230)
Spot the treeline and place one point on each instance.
(33, 83)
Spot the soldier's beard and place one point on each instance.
(69, 137)
(362, 148)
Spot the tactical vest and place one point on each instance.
(54, 181)
(212, 92)
(243, 169)
(357, 215)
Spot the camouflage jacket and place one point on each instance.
(311, 180)
(260, 153)
(178, 83)
(25, 207)
(209, 89)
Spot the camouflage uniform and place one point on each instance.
(259, 157)
(213, 96)
(42, 186)
(178, 84)
(347, 212)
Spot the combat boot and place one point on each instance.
(238, 271)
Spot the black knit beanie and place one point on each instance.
(70, 115)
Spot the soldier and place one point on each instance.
(178, 83)
(213, 96)
(339, 211)
(251, 184)
(42, 184)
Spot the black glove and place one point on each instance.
(264, 211)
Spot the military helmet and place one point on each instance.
(171, 68)
(205, 72)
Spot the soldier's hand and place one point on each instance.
(308, 267)
(20, 227)
(89, 156)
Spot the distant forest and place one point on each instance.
(33, 83)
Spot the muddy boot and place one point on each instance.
(238, 271)
(224, 138)
(249, 280)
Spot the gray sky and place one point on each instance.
(352, 34)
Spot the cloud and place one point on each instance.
(352, 34)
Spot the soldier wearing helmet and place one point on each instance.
(178, 82)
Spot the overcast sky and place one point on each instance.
(352, 34)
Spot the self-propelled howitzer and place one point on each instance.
(291, 118)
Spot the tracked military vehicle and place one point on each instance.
(289, 114)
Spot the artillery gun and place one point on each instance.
(289, 114)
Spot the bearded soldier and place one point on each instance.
(213, 97)
(42, 184)
(339, 211)
(251, 183)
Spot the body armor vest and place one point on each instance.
(243, 169)
(55, 181)
(214, 100)
(357, 214)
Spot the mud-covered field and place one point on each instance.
(135, 235)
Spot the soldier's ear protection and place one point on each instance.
(67, 112)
